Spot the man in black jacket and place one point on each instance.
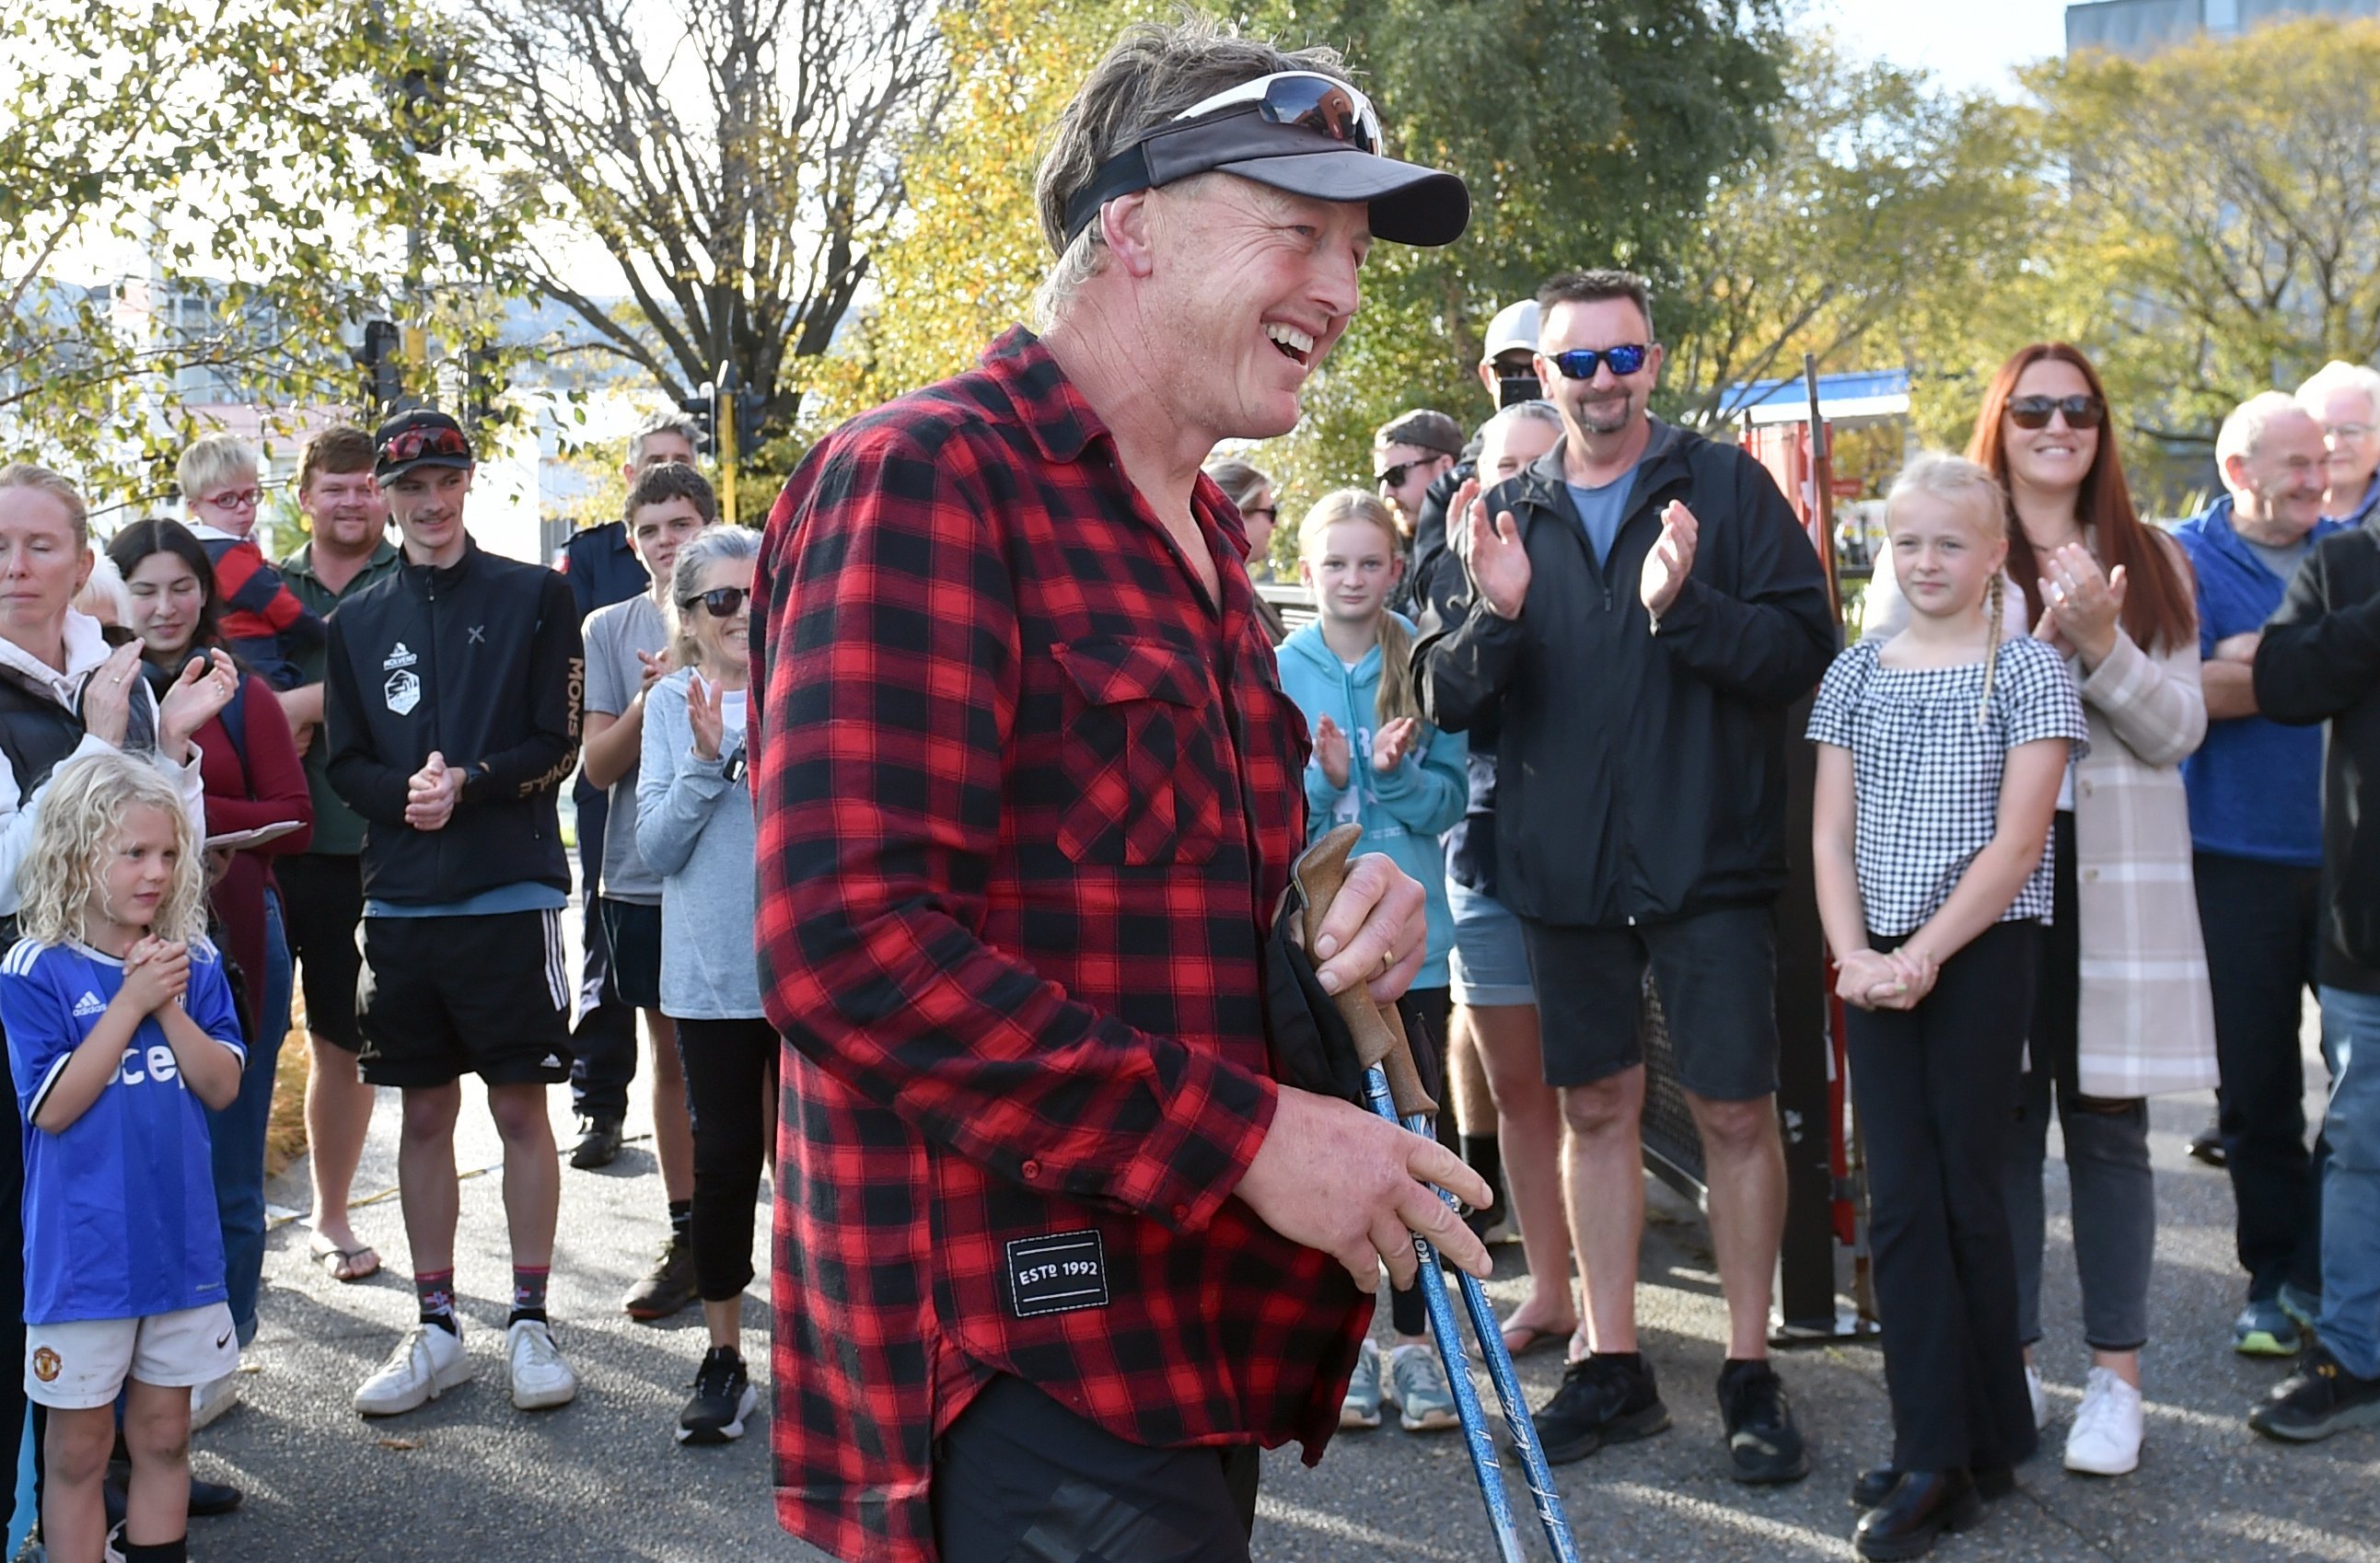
(1642, 610)
(2319, 662)
(453, 698)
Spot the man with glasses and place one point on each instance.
(2255, 832)
(1067, 1252)
(1409, 452)
(2344, 399)
(452, 702)
(259, 619)
(1641, 608)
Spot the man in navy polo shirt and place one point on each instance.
(2255, 822)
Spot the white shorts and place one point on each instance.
(81, 1364)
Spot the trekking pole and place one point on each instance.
(1390, 1083)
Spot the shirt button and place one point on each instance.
(1032, 1171)
(1181, 1213)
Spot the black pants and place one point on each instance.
(604, 1043)
(2264, 927)
(1935, 1087)
(731, 1074)
(1021, 1479)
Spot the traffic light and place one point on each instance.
(751, 409)
(418, 106)
(382, 360)
(702, 407)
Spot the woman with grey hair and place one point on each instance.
(695, 830)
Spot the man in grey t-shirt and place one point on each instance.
(627, 651)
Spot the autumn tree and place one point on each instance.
(246, 168)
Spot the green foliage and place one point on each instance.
(253, 149)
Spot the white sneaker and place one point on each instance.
(426, 1362)
(2039, 1394)
(213, 1397)
(2106, 1440)
(540, 1378)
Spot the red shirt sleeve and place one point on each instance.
(273, 774)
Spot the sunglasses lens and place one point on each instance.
(2083, 412)
(1624, 360)
(1317, 103)
(723, 603)
(2029, 412)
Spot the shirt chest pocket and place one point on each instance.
(1138, 756)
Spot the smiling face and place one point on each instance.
(2053, 459)
(725, 644)
(427, 504)
(1245, 291)
(1351, 566)
(346, 511)
(1415, 468)
(136, 872)
(2350, 428)
(168, 599)
(2277, 487)
(1608, 403)
(1511, 447)
(1941, 556)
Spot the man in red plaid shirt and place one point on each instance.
(1055, 1253)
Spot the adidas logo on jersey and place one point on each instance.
(550, 1060)
(90, 1004)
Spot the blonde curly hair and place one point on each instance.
(77, 827)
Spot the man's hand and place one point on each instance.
(1389, 744)
(2239, 649)
(1334, 1177)
(430, 793)
(1496, 558)
(1331, 752)
(107, 695)
(1375, 932)
(1671, 561)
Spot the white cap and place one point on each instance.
(1516, 325)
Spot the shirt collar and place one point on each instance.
(302, 561)
(1052, 411)
(204, 533)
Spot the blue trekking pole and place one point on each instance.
(1390, 1083)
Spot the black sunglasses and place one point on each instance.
(1394, 477)
(1270, 511)
(1579, 362)
(2032, 412)
(720, 602)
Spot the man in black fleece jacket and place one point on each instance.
(2319, 660)
(452, 700)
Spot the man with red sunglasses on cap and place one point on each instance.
(452, 701)
(1056, 1251)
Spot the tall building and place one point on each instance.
(2144, 27)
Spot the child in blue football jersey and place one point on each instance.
(121, 1035)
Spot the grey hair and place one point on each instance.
(2244, 430)
(1535, 411)
(2339, 375)
(675, 423)
(712, 545)
(1154, 72)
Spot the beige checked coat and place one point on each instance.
(2147, 1021)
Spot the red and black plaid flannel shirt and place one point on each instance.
(1026, 802)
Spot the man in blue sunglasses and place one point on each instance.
(1641, 608)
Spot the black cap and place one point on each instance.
(422, 436)
(1410, 204)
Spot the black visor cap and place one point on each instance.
(1410, 204)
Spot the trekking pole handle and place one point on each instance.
(1379, 1034)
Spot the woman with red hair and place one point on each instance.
(2122, 1011)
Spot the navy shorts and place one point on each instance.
(1715, 973)
(633, 929)
(446, 996)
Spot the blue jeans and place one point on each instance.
(237, 1132)
(2350, 1324)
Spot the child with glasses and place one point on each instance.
(262, 622)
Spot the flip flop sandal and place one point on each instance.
(1522, 1340)
(343, 1265)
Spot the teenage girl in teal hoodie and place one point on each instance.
(1376, 762)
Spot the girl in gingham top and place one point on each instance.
(1941, 750)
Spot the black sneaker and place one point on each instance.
(2207, 1146)
(598, 1143)
(666, 1288)
(1602, 1401)
(2317, 1401)
(1763, 1444)
(723, 1396)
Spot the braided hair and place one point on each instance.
(1976, 494)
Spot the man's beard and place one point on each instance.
(1605, 417)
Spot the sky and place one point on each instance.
(1964, 45)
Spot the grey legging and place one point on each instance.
(2107, 1153)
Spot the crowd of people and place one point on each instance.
(951, 809)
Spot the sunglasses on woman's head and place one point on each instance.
(2032, 412)
(720, 603)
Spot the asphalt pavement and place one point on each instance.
(468, 1478)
